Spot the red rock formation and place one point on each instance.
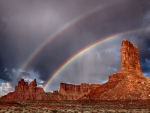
(130, 57)
(74, 92)
(23, 91)
(22, 86)
(127, 84)
(30, 92)
(122, 86)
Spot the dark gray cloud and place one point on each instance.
(25, 25)
(143, 42)
(5, 74)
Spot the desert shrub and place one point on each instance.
(54, 111)
(75, 111)
(46, 110)
(82, 104)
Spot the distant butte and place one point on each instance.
(127, 84)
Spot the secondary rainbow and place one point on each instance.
(86, 49)
(54, 35)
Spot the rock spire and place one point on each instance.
(130, 57)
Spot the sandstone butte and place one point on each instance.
(127, 84)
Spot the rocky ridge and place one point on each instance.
(127, 84)
(25, 91)
(74, 92)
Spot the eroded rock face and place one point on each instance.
(122, 86)
(127, 84)
(23, 91)
(22, 86)
(130, 57)
(74, 92)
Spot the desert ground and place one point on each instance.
(74, 106)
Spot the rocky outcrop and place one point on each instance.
(74, 92)
(130, 57)
(122, 86)
(32, 87)
(127, 84)
(23, 91)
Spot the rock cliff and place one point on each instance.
(74, 92)
(130, 57)
(25, 91)
(127, 84)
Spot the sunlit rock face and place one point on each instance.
(130, 57)
(22, 86)
(25, 91)
(74, 92)
(127, 84)
(32, 87)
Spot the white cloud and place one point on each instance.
(5, 88)
(28, 80)
(42, 81)
(33, 75)
(40, 86)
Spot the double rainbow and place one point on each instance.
(53, 36)
(86, 49)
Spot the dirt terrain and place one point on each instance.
(86, 106)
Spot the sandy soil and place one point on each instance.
(73, 107)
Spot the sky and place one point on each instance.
(41, 39)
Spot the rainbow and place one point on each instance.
(83, 51)
(54, 35)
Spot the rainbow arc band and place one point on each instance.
(53, 36)
(86, 49)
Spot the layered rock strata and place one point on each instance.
(74, 92)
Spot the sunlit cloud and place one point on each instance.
(5, 88)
